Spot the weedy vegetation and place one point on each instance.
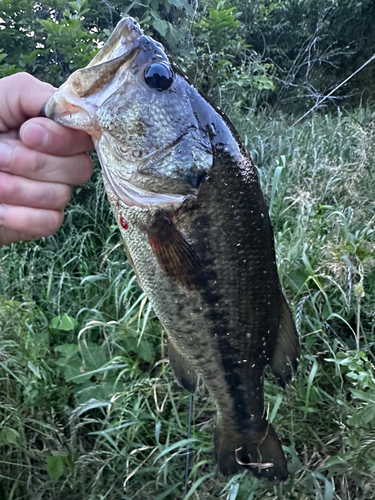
(89, 408)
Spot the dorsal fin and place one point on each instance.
(286, 353)
(182, 370)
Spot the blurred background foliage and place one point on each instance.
(89, 409)
(241, 53)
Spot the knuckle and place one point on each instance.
(3, 186)
(49, 223)
(7, 156)
(54, 221)
(22, 79)
(65, 195)
(7, 187)
(88, 168)
(37, 162)
(84, 168)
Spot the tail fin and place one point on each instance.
(260, 452)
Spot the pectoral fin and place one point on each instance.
(286, 353)
(173, 252)
(181, 368)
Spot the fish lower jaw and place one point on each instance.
(133, 196)
(70, 115)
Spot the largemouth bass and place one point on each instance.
(197, 233)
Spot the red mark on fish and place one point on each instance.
(123, 223)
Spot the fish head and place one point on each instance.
(142, 114)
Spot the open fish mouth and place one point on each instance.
(76, 102)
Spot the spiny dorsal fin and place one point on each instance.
(181, 368)
(173, 252)
(286, 353)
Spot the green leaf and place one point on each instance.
(91, 404)
(63, 322)
(160, 26)
(278, 401)
(182, 4)
(174, 35)
(364, 396)
(83, 376)
(9, 435)
(197, 483)
(71, 368)
(313, 372)
(166, 493)
(55, 466)
(68, 350)
(34, 369)
(145, 351)
(50, 26)
(180, 444)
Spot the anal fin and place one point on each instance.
(182, 370)
(285, 359)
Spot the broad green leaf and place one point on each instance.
(182, 4)
(174, 34)
(67, 350)
(55, 466)
(9, 435)
(63, 322)
(161, 26)
(145, 351)
(364, 396)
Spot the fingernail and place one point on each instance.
(6, 152)
(2, 210)
(34, 135)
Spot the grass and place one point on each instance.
(89, 408)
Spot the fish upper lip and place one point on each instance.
(128, 30)
(122, 46)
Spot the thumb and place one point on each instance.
(22, 97)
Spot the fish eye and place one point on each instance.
(159, 76)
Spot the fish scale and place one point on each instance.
(196, 228)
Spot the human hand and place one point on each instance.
(39, 161)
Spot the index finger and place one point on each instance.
(47, 136)
(23, 97)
